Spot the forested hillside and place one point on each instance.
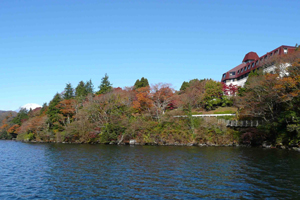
(6, 117)
(115, 115)
(149, 114)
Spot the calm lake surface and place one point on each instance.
(69, 171)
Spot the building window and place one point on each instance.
(224, 75)
(248, 66)
(257, 62)
(242, 70)
(238, 71)
(232, 73)
(252, 65)
(245, 68)
(285, 50)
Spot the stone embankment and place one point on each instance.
(295, 147)
(266, 145)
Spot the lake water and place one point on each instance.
(69, 171)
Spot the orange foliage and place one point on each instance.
(67, 108)
(4, 126)
(33, 125)
(162, 96)
(13, 129)
(143, 99)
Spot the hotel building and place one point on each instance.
(239, 74)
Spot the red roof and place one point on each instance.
(237, 67)
(250, 56)
(255, 63)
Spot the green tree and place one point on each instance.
(141, 83)
(44, 107)
(69, 92)
(144, 82)
(192, 82)
(253, 73)
(137, 84)
(80, 90)
(241, 91)
(53, 112)
(105, 85)
(22, 115)
(213, 94)
(184, 86)
(89, 87)
(213, 89)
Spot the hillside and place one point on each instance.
(4, 114)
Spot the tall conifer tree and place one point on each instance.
(105, 85)
(69, 92)
(80, 90)
(184, 86)
(89, 87)
(22, 114)
(141, 83)
(53, 112)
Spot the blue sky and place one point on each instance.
(46, 44)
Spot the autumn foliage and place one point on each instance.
(118, 115)
(275, 98)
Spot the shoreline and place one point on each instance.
(263, 146)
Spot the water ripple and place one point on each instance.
(65, 171)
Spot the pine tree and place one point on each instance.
(44, 107)
(80, 90)
(141, 83)
(22, 115)
(105, 85)
(184, 86)
(137, 84)
(144, 82)
(89, 87)
(53, 112)
(69, 92)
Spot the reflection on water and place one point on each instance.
(65, 171)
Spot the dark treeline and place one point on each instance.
(148, 113)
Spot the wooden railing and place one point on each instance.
(243, 123)
(229, 123)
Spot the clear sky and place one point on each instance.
(46, 44)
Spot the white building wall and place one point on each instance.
(239, 83)
(281, 69)
(271, 69)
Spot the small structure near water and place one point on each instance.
(132, 142)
